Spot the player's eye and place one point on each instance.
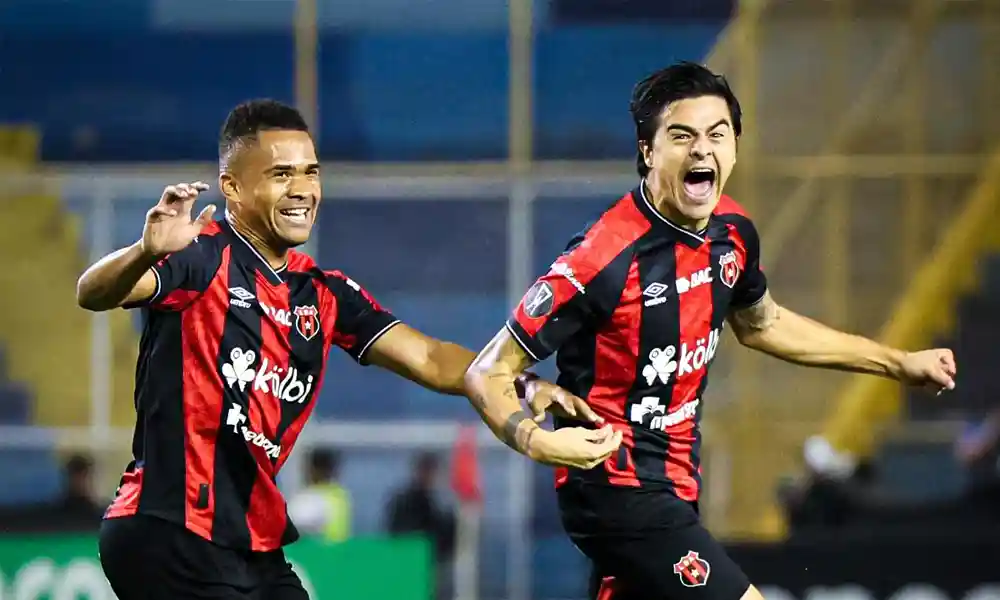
(282, 174)
(717, 135)
(682, 137)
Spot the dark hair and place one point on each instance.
(250, 118)
(676, 82)
(79, 464)
(325, 461)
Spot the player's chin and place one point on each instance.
(699, 208)
(295, 235)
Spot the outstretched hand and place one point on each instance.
(169, 227)
(934, 369)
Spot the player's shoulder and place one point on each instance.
(207, 245)
(730, 208)
(616, 227)
(335, 279)
(300, 262)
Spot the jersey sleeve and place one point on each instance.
(752, 283)
(577, 291)
(361, 320)
(183, 276)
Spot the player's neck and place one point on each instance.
(663, 204)
(276, 258)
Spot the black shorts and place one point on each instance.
(151, 559)
(647, 545)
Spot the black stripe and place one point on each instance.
(306, 355)
(159, 376)
(660, 329)
(235, 466)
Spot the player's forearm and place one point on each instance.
(492, 392)
(109, 281)
(801, 340)
(452, 361)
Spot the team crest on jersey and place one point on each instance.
(692, 570)
(729, 269)
(307, 321)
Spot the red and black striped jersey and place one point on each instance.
(634, 309)
(231, 361)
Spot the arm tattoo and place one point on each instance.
(759, 317)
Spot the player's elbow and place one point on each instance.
(87, 297)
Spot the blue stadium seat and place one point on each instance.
(30, 476)
(15, 403)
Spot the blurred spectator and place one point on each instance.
(323, 508)
(78, 494)
(74, 510)
(414, 509)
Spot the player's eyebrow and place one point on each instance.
(287, 168)
(692, 130)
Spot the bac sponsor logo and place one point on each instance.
(698, 278)
(280, 316)
(665, 362)
(282, 383)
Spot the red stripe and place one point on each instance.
(264, 415)
(741, 246)
(264, 410)
(614, 373)
(692, 356)
(608, 589)
(176, 300)
(728, 206)
(126, 501)
(328, 321)
(615, 231)
(202, 326)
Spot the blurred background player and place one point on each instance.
(322, 508)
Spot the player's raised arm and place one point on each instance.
(760, 323)
(128, 276)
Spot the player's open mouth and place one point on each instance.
(298, 216)
(699, 183)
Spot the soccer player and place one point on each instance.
(635, 307)
(237, 331)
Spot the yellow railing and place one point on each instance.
(846, 166)
(926, 308)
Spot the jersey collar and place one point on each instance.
(247, 254)
(664, 226)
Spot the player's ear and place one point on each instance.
(229, 187)
(646, 150)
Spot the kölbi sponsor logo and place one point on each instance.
(280, 382)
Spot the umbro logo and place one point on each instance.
(240, 297)
(654, 293)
